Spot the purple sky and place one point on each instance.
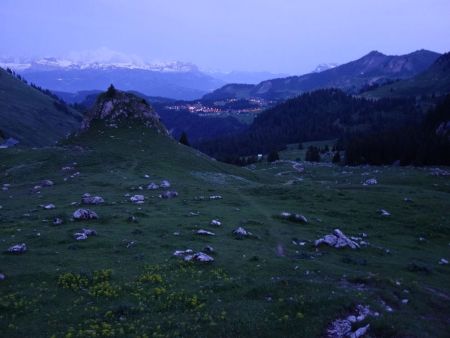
(289, 36)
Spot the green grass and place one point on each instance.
(293, 153)
(99, 287)
(32, 117)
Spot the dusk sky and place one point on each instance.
(288, 36)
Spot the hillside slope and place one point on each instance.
(126, 282)
(433, 81)
(30, 116)
(320, 115)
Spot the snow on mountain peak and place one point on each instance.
(324, 66)
(102, 58)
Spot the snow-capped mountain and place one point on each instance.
(51, 63)
(324, 66)
(97, 70)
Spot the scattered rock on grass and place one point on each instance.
(137, 199)
(47, 183)
(208, 249)
(240, 233)
(189, 256)
(133, 219)
(341, 328)
(439, 172)
(152, 186)
(443, 261)
(199, 257)
(84, 234)
(48, 206)
(88, 199)
(215, 222)
(84, 214)
(57, 221)
(18, 248)
(205, 233)
(168, 194)
(193, 213)
(164, 184)
(384, 213)
(337, 240)
(293, 217)
(370, 181)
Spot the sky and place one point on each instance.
(280, 36)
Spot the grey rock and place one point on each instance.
(370, 181)
(168, 194)
(18, 248)
(240, 232)
(93, 200)
(199, 257)
(293, 217)
(205, 233)
(84, 234)
(57, 221)
(341, 328)
(384, 213)
(84, 214)
(152, 186)
(208, 249)
(47, 183)
(337, 240)
(48, 206)
(164, 184)
(137, 199)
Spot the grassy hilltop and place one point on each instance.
(125, 281)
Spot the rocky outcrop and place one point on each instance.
(191, 256)
(114, 107)
(341, 328)
(337, 240)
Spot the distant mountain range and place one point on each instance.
(245, 77)
(31, 116)
(372, 68)
(433, 81)
(177, 80)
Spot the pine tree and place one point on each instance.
(312, 154)
(273, 156)
(336, 157)
(111, 92)
(184, 139)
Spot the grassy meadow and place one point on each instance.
(126, 282)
